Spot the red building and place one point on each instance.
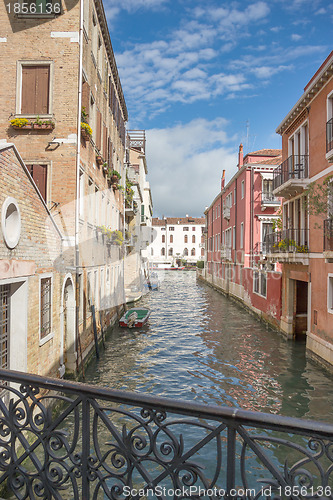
(237, 223)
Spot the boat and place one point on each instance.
(135, 317)
(152, 282)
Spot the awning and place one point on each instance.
(267, 175)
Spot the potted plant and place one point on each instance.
(114, 176)
(20, 123)
(43, 124)
(86, 131)
(117, 237)
(99, 159)
(105, 166)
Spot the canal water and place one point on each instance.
(201, 346)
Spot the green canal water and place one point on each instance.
(201, 346)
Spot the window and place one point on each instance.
(185, 251)
(151, 251)
(171, 228)
(171, 238)
(193, 252)
(193, 238)
(242, 189)
(81, 194)
(235, 196)
(34, 88)
(185, 228)
(330, 293)
(39, 175)
(185, 238)
(329, 124)
(234, 237)
(260, 282)
(242, 235)
(4, 324)
(163, 251)
(163, 238)
(170, 251)
(45, 307)
(193, 228)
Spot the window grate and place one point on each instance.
(4, 326)
(45, 307)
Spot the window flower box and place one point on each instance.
(25, 124)
(86, 131)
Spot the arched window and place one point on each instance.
(185, 238)
(193, 251)
(185, 251)
(163, 251)
(193, 238)
(171, 251)
(163, 238)
(202, 252)
(171, 238)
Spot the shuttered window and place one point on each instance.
(99, 131)
(105, 142)
(85, 97)
(35, 90)
(45, 307)
(39, 175)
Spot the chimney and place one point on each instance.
(240, 156)
(223, 180)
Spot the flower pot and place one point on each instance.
(28, 126)
(114, 179)
(99, 160)
(43, 126)
(84, 134)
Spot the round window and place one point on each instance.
(11, 222)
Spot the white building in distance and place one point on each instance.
(177, 239)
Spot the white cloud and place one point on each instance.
(185, 165)
(112, 9)
(295, 37)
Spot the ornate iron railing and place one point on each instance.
(100, 443)
(268, 198)
(329, 135)
(328, 235)
(289, 240)
(294, 167)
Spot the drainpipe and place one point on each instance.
(77, 201)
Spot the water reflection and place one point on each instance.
(201, 346)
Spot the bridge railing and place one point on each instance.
(66, 440)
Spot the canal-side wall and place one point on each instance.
(267, 309)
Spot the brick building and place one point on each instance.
(63, 107)
(37, 332)
(237, 222)
(304, 245)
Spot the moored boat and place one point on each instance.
(135, 317)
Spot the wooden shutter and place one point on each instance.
(105, 142)
(110, 151)
(99, 131)
(39, 175)
(35, 90)
(85, 96)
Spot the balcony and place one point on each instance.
(131, 208)
(292, 176)
(269, 200)
(289, 245)
(329, 140)
(91, 442)
(226, 212)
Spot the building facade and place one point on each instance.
(237, 223)
(67, 119)
(138, 212)
(303, 246)
(176, 241)
(36, 324)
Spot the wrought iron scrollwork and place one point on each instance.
(79, 442)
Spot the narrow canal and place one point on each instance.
(201, 346)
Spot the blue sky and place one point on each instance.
(201, 76)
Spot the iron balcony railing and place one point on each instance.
(328, 235)
(260, 248)
(268, 198)
(82, 442)
(329, 135)
(294, 167)
(288, 240)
